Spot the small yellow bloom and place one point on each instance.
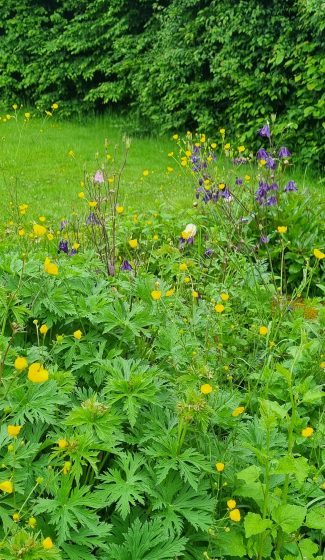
(13, 431)
(247, 177)
(170, 154)
(227, 146)
(21, 232)
(187, 279)
(27, 116)
(221, 186)
(155, 237)
(15, 106)
(231, 504)
(43, 329)
(234, 515)
(7, 486)
(50, 236)
(263, 330)
(318, 254)
(92, 203)
(62, 443)
(241, 149)
(39, 230)
(220, 467)
(188, 153)
(32, 522)
(47, 543)
(282, 229)
(20, 363)
(195, 294)
(183, 267)
(307, 432)
(206, 389)
(222, 131)
(170, 292)
(16, 517)
(219, 308)
(120, 209)
(170, 169)
(239, 410)
(67, 467)
(224, 296)
(51, 268)
(202, 139)
(37, 374)
(133, 243)
(175, 136)
(213, 145)
(145, 173)
(81, 194)
(322, 365)
(77, 334)
(262, 162)
(42, 219)
(54, 106)
(156, 294)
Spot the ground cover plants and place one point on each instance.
(161, 370)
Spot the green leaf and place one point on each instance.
(316, 519)
(250, 474)
(254, 524)
(289, 517)
(299, 467)
(229, 544)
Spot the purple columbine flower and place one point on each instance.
(264, 239)
(290, 187)
(92, 220)
(63, 247)
(265, 131)
(284, 152)
(270, 163)
(239, 181)
(271, 201)
(73, 252)
(126, 266)
(208, 253)
(273, 187)
(262, 154)
(99, 177)
(63, 225)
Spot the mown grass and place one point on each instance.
(43, 161)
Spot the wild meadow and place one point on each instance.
(162, 345)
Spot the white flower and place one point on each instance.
(190, 230)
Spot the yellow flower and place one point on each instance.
(263, 330)
(222, 131)
(145, 173)
(92, 203)
(16, 517)
(213, 145)
(175, 136)
(13, 431)
(247, 177)
(37, 374)
(77, 334)
(21, 232)
(202, 139)
(239, 410)
(42, 219)
(76, 246)
(27, 115)
(170, 292)
(47, 543)
(20, 363)
(39, 230)
(322, 365)
(188, 153)
(224, 296)
(241, 149)
(318, 254)
(170, 154)
(262, 162)
(51, 268)
(155, 237)
(307, 432)
(43, 329)
(32, 522)
(220, 467)
(54, 106)
(81, 194)
(50, 236)
(120, 209)
(231, 504)
(206, 389)
(221, 186)
(67, 467)
(234, 515)
(195, 294)
(282, 229)
(156, 294)
(133, 243)
(187, 279)
(219, 308)
(227, 146)
(6, 486)
(15, 106)
(170, 169)
(62, 443)
(183, 267)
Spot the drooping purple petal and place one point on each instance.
(126, 266)
(290, 187)
(63, 247)
(284, 152)
(265, 131)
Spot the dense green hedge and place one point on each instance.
(173, 63)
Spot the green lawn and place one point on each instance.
(36, 168)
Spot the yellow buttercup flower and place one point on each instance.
(155, 237)
(16, 517)
(133, 243)
(213, 145)
(322, 365)
(120, 209)
(282, 229)
(145, 173)
(92, 204)
(239, 410)
(20, 363)
(220, 467)
(175, 136)
(170, 169)
(37, 374)
(81, 194)
(43, 329)
(47, 543)
(224, 296)
(227, 146)
(241, 149)
(263, 330)
(219, 308)
(170, 292)
(39, 230)
(7, 486)
(51, 268)
(234, 515)
(206, 389)
(221, 186)
(27, 115)
(77, 334)
(156, 294)
(195, 294)
(13, 431)
(54, 106)
(222, 131)
(50, 236)
(307, 432)
(231, 504)
(183, 267)
(187, 279)
(262, 162)
(62, 443)
(42, 219)
(247, 177)
(21, 232)
(32, 522)
(318, 254)
(67, 467)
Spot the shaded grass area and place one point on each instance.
(43, 162)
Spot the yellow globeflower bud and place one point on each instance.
(20, 363)
(47, 543)
(13, 431)
(77, 334)
(206, 389)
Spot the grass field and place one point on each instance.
(43, 161)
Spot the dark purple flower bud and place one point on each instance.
(273, 187)
(63, 247)
(208, 253)
(239, 181)
(73, 252)
(99, 177)
(262, 154)
(264, 239)
(63, 225)
(272, 201)
(290, 187)
(92, 220)
(270, 163)
(265, 131)
(126, 266)
(284, 152)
